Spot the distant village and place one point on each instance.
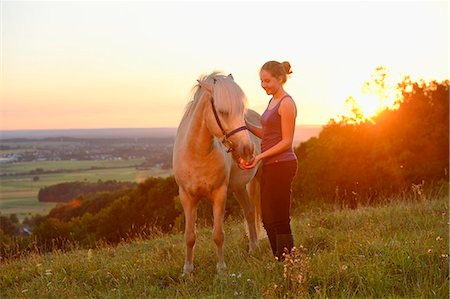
(156, 151)
(103, 145)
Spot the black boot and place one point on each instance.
(273, 242)
(284, 245)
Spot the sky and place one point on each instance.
(123, 64)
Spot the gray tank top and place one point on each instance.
(271, 135)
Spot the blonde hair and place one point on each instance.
(278, 69)
(228, 96)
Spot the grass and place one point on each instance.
(399, 250)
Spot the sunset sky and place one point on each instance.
(119, 64)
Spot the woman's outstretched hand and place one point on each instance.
(249, 165)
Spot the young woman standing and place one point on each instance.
(277, 155)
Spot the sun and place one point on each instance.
(378, 94)
(371, 105)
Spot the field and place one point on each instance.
(18, 193)
(397, 250)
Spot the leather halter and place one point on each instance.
(225, 141)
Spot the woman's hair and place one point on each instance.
(277, 69)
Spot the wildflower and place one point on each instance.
(438, 238)
(429, 250)
(89, 254)
(444, 256)
(344, 267)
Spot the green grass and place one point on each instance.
(395, 251)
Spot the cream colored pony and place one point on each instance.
(211, 139)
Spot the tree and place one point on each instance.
(356, 160)
(9, 225)
(51, 234)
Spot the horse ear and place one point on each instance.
(205, 85)
(230, 76)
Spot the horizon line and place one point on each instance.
(123, 128)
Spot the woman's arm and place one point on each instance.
(288, 113)
(257, 131)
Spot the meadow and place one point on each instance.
(18, 193)
(398, 249)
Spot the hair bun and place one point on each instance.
(287, 67)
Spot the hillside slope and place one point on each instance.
(398, 250)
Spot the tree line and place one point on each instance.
(64, 192)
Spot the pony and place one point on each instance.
(210, 142)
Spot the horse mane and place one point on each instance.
(228, 96)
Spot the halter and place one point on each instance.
(225, 141)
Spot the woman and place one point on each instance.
(277, 155)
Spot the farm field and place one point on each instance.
(66, 165)
(18, 193)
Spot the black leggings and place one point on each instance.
(276, 196)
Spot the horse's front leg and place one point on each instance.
(190, 214)
(219, 198)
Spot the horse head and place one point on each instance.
(225, 118)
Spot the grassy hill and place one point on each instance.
(396, 250)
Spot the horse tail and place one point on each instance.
(254, 192)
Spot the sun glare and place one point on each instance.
(375, 96)
(371, 105)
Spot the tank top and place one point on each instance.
(271, 134)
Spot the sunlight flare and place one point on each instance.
(376, 95)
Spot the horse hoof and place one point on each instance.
(188, 269)
(221, 267)
(187, 276)
(253, 248)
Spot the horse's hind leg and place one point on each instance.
(254, 191)
(190, 215)
(218, 232)
(249, 213)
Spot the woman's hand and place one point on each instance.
(249, 165)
